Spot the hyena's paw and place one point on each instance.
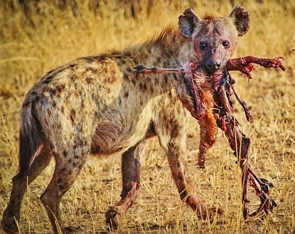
(112, 219)
(202, 211)
(9, 225)
(212, 212)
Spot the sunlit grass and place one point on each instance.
(51, 36)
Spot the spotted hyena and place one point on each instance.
(99, 105)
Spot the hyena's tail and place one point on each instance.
(31, 137)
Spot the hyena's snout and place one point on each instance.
(215, 59)
(213, 65)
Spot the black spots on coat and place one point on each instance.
(60, 88)
(166, 78)
(52, 91)
(152, 89)
(64, 170)
(108, 90)
(73, 115)
(53, 104)
(56, 90)
(89, 80)
(65, 153)
(126, 94)
(60, 183)
(82, 104)
(129, 70)
(133, 81)
(175, 77)
(47, 80)
(59, 180)
(136, 61)
(123, 61)
(74, 164)
(159, 61)
(125, 76)
(143, 86)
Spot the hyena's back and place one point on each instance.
(98, 103)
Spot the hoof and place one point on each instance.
(9, 225)
(112, 219)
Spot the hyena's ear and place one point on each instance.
(241, 19)
(188, 21)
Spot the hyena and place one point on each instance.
(98, 105)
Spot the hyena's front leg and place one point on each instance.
(131, 183)
(178, 164)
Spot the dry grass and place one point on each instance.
(51, 36)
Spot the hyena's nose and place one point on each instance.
(213, 65)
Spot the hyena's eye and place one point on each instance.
(202, 45)
(225, 44)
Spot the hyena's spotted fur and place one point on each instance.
(99, 105)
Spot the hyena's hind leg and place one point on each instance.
(19, 184)
(130, 167)
(69, 162)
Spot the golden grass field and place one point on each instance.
(53, 34)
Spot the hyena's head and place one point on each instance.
(214, 38)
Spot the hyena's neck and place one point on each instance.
(169, 49)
